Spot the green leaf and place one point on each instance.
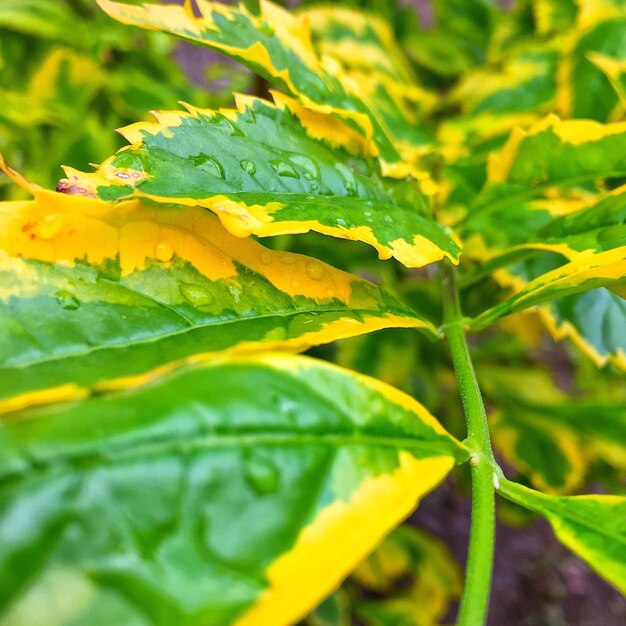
(459, 39)
(41, 18)
(554, 16)
(587, 272)
(595, 320)
(585, 91)
(546, 434)
(421, 566)
(363, 45)
(614, 69)
(91, 292)
(593, 527)
(190, 501)
(552, 153)
(261, 173)
(275, 44)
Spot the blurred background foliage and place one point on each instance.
(69, 75)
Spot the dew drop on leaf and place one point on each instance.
(163, 251)
(67, 300)
(208, 164)
(282, 168)
(248, 166)
(348, 178)
(261, 473)
(315, 270)
(266, 257)
(196, 295)
(308, 168)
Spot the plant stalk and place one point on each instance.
(478, 571)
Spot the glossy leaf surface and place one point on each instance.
(260, 171)
(186, 501)
(594, 527)
(91, 291)
(277, 45)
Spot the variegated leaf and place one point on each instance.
(186, 501)
(543, 174)
(277, 45)
(364, 46)
(261, 173)
(594, 527)
(594, 320)
(585, 90)
(91, 291)
(586, 272)
(548, 436)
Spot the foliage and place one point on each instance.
(166, 458)
(63, 89)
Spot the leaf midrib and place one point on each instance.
(197, 326)
(154, 448)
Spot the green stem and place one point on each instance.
(475, 600)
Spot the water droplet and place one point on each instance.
(348, 178)
(282, 168)
(248, 166)
(315, 270)
(288, 259)
(224, 124)
(208, 164)
(122, 175)
(341, 222)
(67, 300)
(163, 251)
(314, 186)
(308, 168)
(196, 295)
(388, 219)
(261, 473)
(49, 227)
(266, 257)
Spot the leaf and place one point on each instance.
(42, 18)
(65, 80)
(427, 573)
(555, 152)
(595, 320)
(548, 435)
(459, 39)
(334, 611)
(554, 16)
(269, 478)
(261, 173)
(364, 47)
(275, 44)
(91, 292)
(540, 176)
(593, 527)
(584, 89)
(614, 69)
